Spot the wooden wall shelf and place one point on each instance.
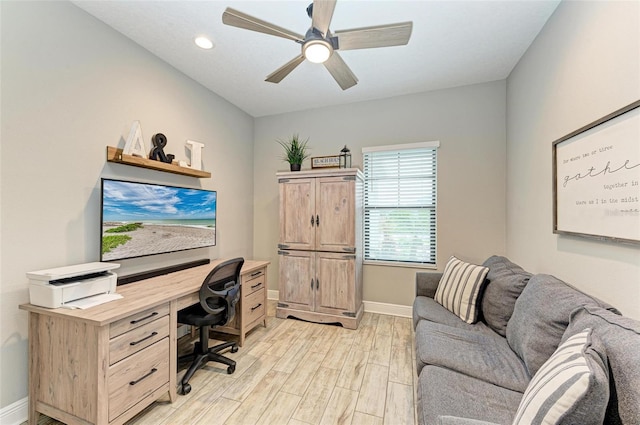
(116, 155)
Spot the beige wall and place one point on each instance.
(468, 121)
(70, 87)
(584, 65)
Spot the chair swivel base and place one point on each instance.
(201, 358)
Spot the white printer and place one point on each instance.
(63, 286)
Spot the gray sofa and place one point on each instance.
(477, 373)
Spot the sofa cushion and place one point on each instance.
(619, 337)
(459, 288)
(572, 387)
(425, 308)
(443, 392)
(483, 356)
(541, 316)
(506, 282)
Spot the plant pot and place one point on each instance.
(294, 167)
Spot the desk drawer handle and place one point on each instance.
(142, 319)
(256, 307)
(256, 286)
(256, 274)
(151, 372)
(144, 339)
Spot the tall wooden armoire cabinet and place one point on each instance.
(320, 246)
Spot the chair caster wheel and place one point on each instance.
(231, 369)
(234, 348)
(186, 389)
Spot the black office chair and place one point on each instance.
(219, 295)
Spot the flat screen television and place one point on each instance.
(140, 219)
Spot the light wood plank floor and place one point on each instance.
(299, 373)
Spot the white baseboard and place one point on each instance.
(15, 413)
(369, 306)
(389, 309)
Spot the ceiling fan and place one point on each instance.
(319, 44)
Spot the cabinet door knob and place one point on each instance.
(312, 220)
(317, 220)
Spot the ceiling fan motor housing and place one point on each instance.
(316, 48)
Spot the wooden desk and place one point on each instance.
(105, 364)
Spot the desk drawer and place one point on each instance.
(253, 306)
(137, 320)
(137, 376)
(137, 339)
(253, 282)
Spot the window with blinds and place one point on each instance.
(400, 203)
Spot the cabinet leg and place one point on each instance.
(33, 416)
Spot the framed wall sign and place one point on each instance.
(332, 161)
(596, 178)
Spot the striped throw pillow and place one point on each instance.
(459, 288)
(571, 387)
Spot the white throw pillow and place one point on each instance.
(459, 288)
(571, 387)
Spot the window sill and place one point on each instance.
(400, 264)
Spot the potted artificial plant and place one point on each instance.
(295, 151)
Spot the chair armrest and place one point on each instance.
(427, 283)
(453, 420)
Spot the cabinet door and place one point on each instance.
(336, 276)
(297, 214)
(296, 283)
(335, 211)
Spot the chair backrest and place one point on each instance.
(220, 290)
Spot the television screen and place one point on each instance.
(140, 219)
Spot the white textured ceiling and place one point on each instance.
(453, 43)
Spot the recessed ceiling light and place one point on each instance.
(203, 42)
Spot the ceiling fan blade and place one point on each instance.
(283, 71)
(378, 36)
(322, 13)
(242, 20)
(340, 71)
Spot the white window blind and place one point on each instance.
(400, 203)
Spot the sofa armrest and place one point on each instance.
(453, 420)
(427, 283)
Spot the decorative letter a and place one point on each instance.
(135, 143)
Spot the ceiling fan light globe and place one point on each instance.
(317, 51)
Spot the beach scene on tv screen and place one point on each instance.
(144, 219)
